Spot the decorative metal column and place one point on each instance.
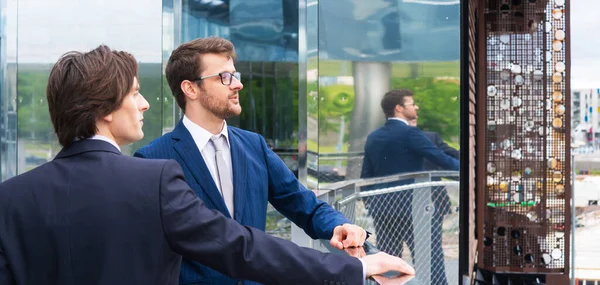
(524, 177)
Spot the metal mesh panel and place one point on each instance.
(526, 141)
(418, 222)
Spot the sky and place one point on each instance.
(585, 44)
(45, 29)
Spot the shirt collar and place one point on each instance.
(200, 134)
(399, 119)
(106, 139)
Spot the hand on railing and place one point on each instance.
(383, 268)
(383, 263)
(400, 279)
(348, 235)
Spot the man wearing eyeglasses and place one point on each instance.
(232, 170)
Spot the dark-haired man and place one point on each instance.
(95, 216)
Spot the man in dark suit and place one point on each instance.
(94, 216)
(233, 170)
(397, 148)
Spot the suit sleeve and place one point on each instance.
(423, 146)
(204, 235)
(297, 203)
(6, 276)
(443, 146)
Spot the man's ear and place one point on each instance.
(108, 118)
(398, 108)
(189, 89)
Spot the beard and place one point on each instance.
(220, 108)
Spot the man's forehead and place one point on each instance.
(216, 60)
(136, 83)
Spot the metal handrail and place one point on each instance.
(396, 189)
(391, 178)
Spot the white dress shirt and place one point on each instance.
(201, 137)
(399, 119)
(106, 139)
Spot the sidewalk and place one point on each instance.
(587, 252)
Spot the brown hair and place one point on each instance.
(393, 98)
(83, 87)
(185, 63)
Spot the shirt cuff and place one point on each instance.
(364, 267)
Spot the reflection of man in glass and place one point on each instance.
(397, 148)
(233, 170)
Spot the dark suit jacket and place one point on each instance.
(436, 139)
(259, 175)
(398, 148)
(94, 216)
(440, 196)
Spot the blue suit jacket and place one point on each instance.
(94, 216)
(259, 175)
(398, 148)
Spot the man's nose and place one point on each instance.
(236, 84)
(144, 105)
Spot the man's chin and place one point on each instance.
(236, 110)
(231, 114)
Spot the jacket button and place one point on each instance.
(240, 282)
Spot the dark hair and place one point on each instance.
(185, 63)
(393, 98)
(83, 87)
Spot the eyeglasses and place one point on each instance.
(226, 77)
(413, 104)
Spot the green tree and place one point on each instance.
(32, 109)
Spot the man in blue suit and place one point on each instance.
(233, 170)
(395, 148)
(95, 216)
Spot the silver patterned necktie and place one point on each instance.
(223, 172)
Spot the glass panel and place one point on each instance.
(43, 37)
(171, 32)
(8, 89)
(367, 48)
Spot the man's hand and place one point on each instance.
(347, 235)
(382, 262)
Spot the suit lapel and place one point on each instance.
(240, 169)
(189, 153)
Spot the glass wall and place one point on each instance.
(34, 35)
(363, 50)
